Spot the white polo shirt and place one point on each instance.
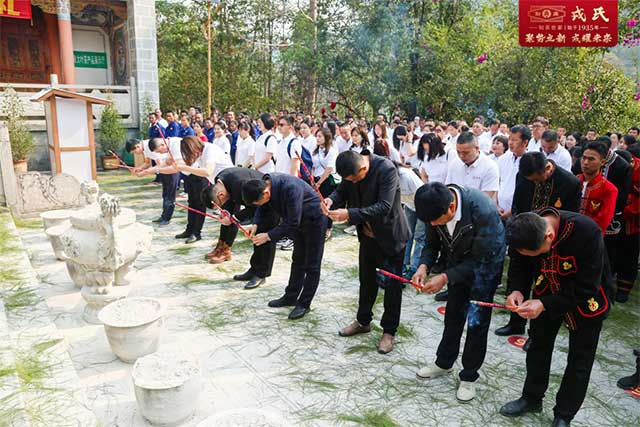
(508, 165)
(560, 157)
(409, 184)
(266, 143)
(223, 143)
(534, 145)
(285, 156)
(482, 174)
(213, 157)
(245, 148)
(342, 144)
(309, 143)
(323, 160)
(436, 169)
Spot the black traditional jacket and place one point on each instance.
(573, 277)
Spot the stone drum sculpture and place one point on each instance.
(99, 247)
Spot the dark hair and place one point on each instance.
(363, 135)
(221, 124)
(191, 148)
(244, 126)
(523, 130)
(493, 122)
(208, 195)
(154, 143)
(526, 231)
(383, 128)
(331, 125)
(634, 150)
(598, 146)
(400, 131)
(550, 135)
(131, 145)
(381, 147)
(328, 141)
(466, 138)
(637, 129)
(168, 111)
(454, 124)
(289, 119)
(531, 163)
(348, 163)
(503, 140)
(604, 139)
(432, 200)
(629, 140)
(267, 120)
(252, 190)
(625, 155)
(436, 147)
(577, 136)
(541, 120)
(151, 114)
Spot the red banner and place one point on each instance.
(563, 23)
(20, 9)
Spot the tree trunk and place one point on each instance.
(313, 75)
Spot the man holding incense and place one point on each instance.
(463, 223)
(562, 254)
(227, 193)
(370, 188)
(303, 221)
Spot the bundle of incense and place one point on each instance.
(122, 163)
(311, 180)
(492, 305)
(236, 223)
(399, 278)
(166, 143)
(232, 219)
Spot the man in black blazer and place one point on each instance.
(371, 191)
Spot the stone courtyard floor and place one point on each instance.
(301, 373)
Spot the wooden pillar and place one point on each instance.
(65, 38)
(53, 43)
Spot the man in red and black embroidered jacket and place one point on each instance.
(562, 255)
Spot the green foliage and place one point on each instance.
(19, 136)
(112, 133)
(370, 418)
(147, 107)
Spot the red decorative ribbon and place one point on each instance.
(492, 305)
(399, 278)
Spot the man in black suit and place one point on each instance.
(227, 193)
(371, 190)
(303, 221)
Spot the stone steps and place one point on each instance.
(41, 387)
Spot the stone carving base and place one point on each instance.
(95, 302)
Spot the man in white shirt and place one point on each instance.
(551, 148)
(508, 165)
(472, 168)
(486, 138)
(453, 133)
(539, 125)
(343, 141)
(266, 145)
(289, 148)
(161, 121)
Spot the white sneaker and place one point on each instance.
(429, 372)
(466, 391)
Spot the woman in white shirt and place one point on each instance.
(266, 145)
(499, 146)
(307, 140)
(245, 146)
(324, 166)
(434, 158)
(360, 140)
(220, 139)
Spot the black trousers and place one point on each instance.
(627, 260)
(261, 262)
(228, 233)
(308, 247)
(583, 344)
(371, 257)
(195, 184)
(478, 319)
(169, 183)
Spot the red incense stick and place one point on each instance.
(492, 305)
(123, 165)
(236, 223)
(311, 180)
(166, 143)
(399, 278)
(232, 219)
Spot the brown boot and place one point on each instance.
(223, 254)
(386, 343)
(214, 251)
(354, 329)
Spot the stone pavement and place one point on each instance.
(255, 361)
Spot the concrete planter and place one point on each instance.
(54, 234)
(133, 327)
(53, 218)
(167, 387)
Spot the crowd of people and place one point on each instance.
(439, 203)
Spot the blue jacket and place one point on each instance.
(477, 238)
(188, 131)
(294, 201)
(210, 134)
(154, 132)
(172, 130)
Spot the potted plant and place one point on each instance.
(111, 137)
(19, 136)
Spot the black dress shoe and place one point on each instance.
(192, 239)
(254, 282)
(526, 345)
(281, 302)
(560, 422)
(442, 296)
(519, 407)
(157, 220)
(183, 235)
(509, 329)
(298, 312)
(244, 276)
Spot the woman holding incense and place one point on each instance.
(324, 165)
(465, 224)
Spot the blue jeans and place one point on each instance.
(417, 228)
